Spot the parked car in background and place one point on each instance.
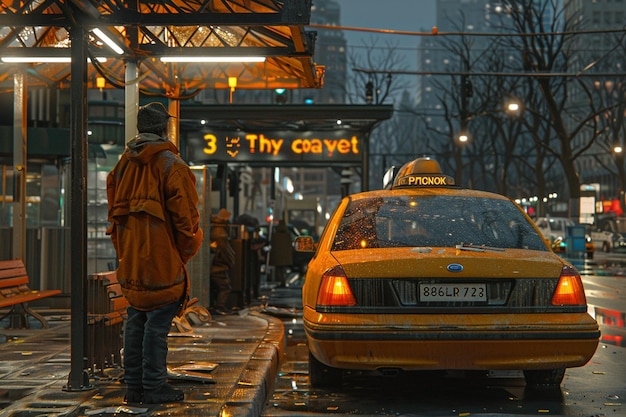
(608, 233)
(555, 229)
(602, 239)
(619, 244)
(429, 276)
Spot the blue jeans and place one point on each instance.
(145, 346)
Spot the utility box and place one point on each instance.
(575, 241)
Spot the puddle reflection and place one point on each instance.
(612, 324)
(419, 392)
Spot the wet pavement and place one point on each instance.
(595, 390)
(244, 349)
(603, 264)
(248, 351)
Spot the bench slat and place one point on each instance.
(12, 272)
(118, 303)
(106, 293)
(107, 319)
(11, 263)
(14, 281)
(27, 297)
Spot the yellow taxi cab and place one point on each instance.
(428, 276)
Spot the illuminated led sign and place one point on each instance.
(337, 146)
(425, 180)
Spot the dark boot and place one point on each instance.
(134, 395)
(164, 394)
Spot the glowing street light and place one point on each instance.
(513, 107)
(463, 137)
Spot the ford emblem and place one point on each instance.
(455, 267)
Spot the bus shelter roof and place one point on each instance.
(147, 31)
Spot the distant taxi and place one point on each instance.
(428, 276)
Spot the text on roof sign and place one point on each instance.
(430, 180)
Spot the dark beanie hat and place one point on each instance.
(152, 118)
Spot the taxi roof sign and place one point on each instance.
(424, 180)
(422, 172)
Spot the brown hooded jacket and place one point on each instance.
(154, 222)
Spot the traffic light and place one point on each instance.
(346, 180)
(280, 95)
(270, 215)
(369, 92)
(468, 87)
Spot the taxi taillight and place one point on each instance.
(335, 290)
(569, 290)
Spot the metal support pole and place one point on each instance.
(173, 108)
(236, 178)
(365, 164)
(223, 185)
(273, 184)
(19, 167)
(79, 377)
(131, 101)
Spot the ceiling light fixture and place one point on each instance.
(108, 41)
(215, 59)
(43, 59)
(232, 83)
(100, 83)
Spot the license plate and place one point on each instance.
(452, 292)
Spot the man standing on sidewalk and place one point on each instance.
(152, 202)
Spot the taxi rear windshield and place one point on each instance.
(444, 221)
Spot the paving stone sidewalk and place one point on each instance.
(245, 349)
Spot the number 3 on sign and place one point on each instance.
(211, 144)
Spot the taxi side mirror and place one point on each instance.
(304, 244)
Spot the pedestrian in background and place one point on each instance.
(281, 256)
(223, 258)
(152, 203)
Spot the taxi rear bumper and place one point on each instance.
(539, 346)
(452, 354)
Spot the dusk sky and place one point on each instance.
(402, 15)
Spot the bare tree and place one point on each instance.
(453, 94)
(475, 105)
(396, 141)
(609, 92)
(371, 80)
(551, 48)
(563, 118)
(375, 80)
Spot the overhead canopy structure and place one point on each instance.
(319, 118)
(147, 31)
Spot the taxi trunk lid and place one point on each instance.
(435, 262)
(413, 278)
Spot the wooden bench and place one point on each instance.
(15, 293)
(106, 312)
